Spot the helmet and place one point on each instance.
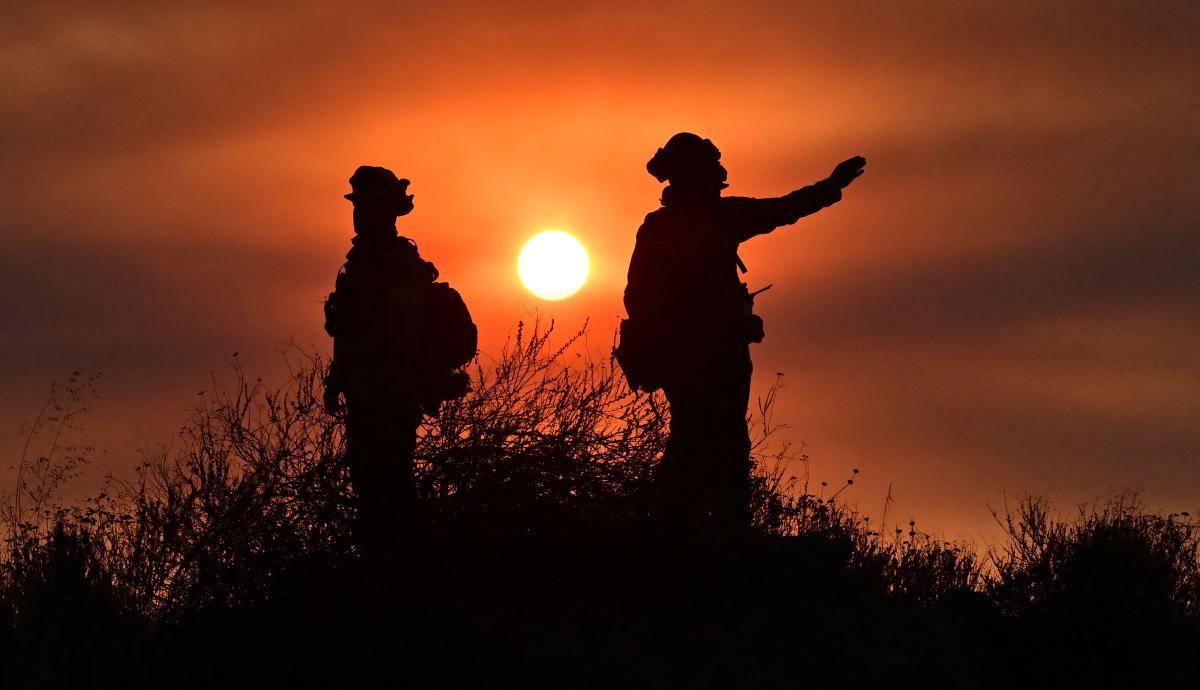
(682, 152)
(380, 184)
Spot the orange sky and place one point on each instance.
(1005, 302)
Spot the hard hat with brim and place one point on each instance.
(374, 182)
(682, 152)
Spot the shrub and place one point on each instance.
(248, 514)
(1116, 561)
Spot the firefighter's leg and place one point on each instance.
(406, 494)
(380, 472)
(678, 486)
(727, 464)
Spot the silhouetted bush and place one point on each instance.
(1116, 583)
(544, 440)
(1114, 561)
(540, 537)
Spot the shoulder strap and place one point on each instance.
(411, 246)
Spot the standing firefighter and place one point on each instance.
(399, 340)
(691, 322)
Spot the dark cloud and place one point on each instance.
(1147, 262)
(144, 309)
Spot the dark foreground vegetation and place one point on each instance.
(227, 562)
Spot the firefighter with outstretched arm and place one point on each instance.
(691, 323)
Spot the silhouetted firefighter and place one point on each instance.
(399, 339)
(691, 322)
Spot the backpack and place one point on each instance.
(449, 338)
(643, 356)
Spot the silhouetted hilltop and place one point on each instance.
(227, 562)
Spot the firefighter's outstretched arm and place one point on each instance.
(827, 192)
(768, 214)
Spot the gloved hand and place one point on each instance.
(847, 171)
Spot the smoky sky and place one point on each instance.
(1005, 302)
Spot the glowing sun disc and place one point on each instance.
(553, 265)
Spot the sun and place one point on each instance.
(553, 265)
